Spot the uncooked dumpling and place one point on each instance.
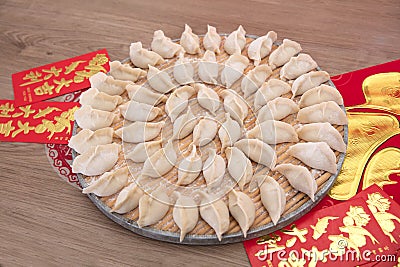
(208, 68)
(86, 139)
(207, 98)
(254, 79)
(213, 169)
(324, 112)
(128, 199)
(178, 101)
(109, 183)
(99, 100)
(283, 53)
(272, 196)
(261, 47)
(93, 119)
(317, 95)
(273, 132)
(242, 209)
(142, 57)
(141, 94)
(309, 80)
(235, 41)
(270, 90)
(183, 70)
(184, 125)
(125, 72)
(322, 132)
(108, 84)
(239, 166)
(277, 109)
(297, 66)
(144, 150)
(163, 45)
(135, 111)
(233, 70)
(190, 41)
(153, 207)
(159, 80)
(229, 132)
(96, 160)
(161, 162)
(316, 155)
(299, 178)
(190, 167)
(258, 151)
(205, 131)
(185, 214)
(212, 40)
(235, 105)
(139, 131)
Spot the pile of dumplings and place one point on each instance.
(212, 134)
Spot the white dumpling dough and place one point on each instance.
(235, 105)
(213, 169)
(139, 131)
(86, 139)
(185, 214)
(323, 112)
(261, 47)
(161, 162)
(254, 79)
(258, 151)
(128, 199)
(319, 94)
(283, 53)
(141, 94)
(178, 101)
(143, 151)
(190, 41)
(235, 41)
(109, 183)
(159, 80)
(277, 109)
(212, 40)
(322, 132)
(205, 131)
(143, 58)
(125, 72)
(183, 70)
(93, 119)
(189, 168)
(136, 111)
(184, 125)
(208, 68)
(270, 90)
(207, 98)
(233, 70)
(239, 166)
(163, 45)
(153, 207)
(308, 81)
(297, 66)
(242, 209)
(107, 84)
(273, 132)
(229, 132)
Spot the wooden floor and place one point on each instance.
(43, 220)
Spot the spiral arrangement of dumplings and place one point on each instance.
(193, 135)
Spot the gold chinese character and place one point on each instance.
(99, 59)
(44, 89)
(44, 112)
(26, 111)
(315, 255)
(299, 233)
(6, 128)
(62, 83)
(52, 72)
(73, 66)
(22, 127)
(33, 77)
(321, 225)
(5, 109)
(95, 68)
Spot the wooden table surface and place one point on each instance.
(43, 220)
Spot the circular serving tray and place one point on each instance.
(294, 212)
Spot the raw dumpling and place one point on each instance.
(93, 119)
(189, 168)
(143, 58)
(207, 98)
(239, 166)
(215, 213)
(242, 209)
(128, 199)
(254, 79)
(125, 72)
(99, 100)
(139, 131)
(153, 207)
(185, 214)
(324, 112)
(283, 53)
(141, 94)
(183, 70)
(159, 80)
(272, 196)
(143, 151)
(135, 111)
(297, 66)
(184, 125)
(161, 162)
(96, 160)
(258, 151)
(277, 109)
(261, 47)
(235, 105)
(322, 132)
(213, 169)
(316, 155)
(235, 41)
(317, 95)
(109, 183)
(163, 45)
(108, 84)
(309, 80)
(205, 131)
(212, 40)
(229, 132)
(270, 90)
(233, 70)
(86, 139)
(208, 68)
(273, 132)
(190, 41)
(299, 178)
(178, 101)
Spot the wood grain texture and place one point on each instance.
(43, 220)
